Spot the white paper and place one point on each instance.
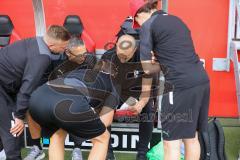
(130, 102)
(12, 125)
(171, 98)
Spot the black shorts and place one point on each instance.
(66, 108)
(187, 114)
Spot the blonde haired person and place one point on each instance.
(22, 65)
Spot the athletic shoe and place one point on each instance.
(77, 154)
(2, 155)
(35, 154)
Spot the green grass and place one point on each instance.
(232, 143)
(232, 137)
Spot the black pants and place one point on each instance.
(64, 108)
(11, 144)
(145, 129)
(187, 114)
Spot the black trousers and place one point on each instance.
(10, 144)
(145, 129)
(187, 114)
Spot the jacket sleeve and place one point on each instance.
(33, 72)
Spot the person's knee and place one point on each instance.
(105, 135)
(191, 141)
(34, 127)
(103, 138)
(59, 136)
(106, 116)
(172, 145)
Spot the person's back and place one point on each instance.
(98, 85)
(14, 60)
(22, 66)
(175, 50)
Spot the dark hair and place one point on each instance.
(151, 4)
(58, 32)
(75, 42)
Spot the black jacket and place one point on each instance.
(21, 69)
(129, 76)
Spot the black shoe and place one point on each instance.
(141, 157)
(110, 155)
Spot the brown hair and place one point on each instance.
(58, 32)
(151, 4)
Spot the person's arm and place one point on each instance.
(150, 67)
(33, 73)
(144, 97)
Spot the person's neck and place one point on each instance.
(152, 11)
(45, 40)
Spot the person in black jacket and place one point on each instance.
(126, 57)
(184, 110)
(22, 65)
(75, 57)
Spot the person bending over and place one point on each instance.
(126, 57)
(77, 57)
(22, 66)
(81, 104)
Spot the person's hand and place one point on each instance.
(153, 59)
(18, 127)
(137, 108)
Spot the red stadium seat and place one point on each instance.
(7, 32)
(74, 25)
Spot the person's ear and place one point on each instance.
(50, 45)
